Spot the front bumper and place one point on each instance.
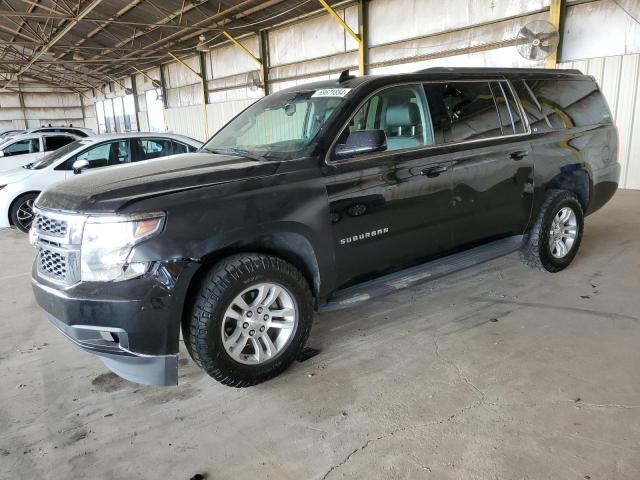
(145, 369)
(133, 326)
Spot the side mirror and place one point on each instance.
(79, 166)
(1, 153)
(361, 141)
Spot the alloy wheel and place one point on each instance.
(24, 214)
(259, 323)
(563, 232)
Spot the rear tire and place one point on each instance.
(21, 212)
(554, 240)
(250, 318)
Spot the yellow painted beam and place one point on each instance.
(242, 47)
(116, 81)
(154, 82)
(204, 93)
(354, 35)
(555, 18)
(334, 14)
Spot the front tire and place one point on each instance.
(251, 317)
(554, 240)
(21, 212)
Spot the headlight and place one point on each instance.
(107, 243)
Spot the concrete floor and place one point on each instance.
(499, 372)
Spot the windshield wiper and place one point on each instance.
(237, 152)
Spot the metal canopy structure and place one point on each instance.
(81, 44)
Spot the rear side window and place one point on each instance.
(155, 148)
(556, 104)
(182, 148)
(471, 111)
(55, 142)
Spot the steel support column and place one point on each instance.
(203, 83)
(163, 87)
(136, 106)
(264, 60)
(556, 13)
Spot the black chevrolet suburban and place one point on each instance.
(319, 197)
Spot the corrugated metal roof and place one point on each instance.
(117, 33)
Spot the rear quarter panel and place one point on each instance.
(590, 150)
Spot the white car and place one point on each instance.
(19, 150)
(78, 131)
(20, 187)
(4, 134)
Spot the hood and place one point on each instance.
(15, 175)
(109, 189)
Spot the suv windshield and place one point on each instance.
(51, 158)
(278, 126)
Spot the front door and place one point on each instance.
(390, 209)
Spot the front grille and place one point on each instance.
(53, 264)
(50, 226)
(58, 246)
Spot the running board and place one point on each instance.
(425, 272)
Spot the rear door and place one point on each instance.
(389, 209)
(492, 171)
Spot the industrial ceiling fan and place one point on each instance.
(537, 40)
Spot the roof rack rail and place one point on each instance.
(571, 71)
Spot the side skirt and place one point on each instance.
(423, 273)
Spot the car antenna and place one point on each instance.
(344, 76)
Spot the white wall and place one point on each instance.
(42, 106)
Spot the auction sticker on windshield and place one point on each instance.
(331, 92)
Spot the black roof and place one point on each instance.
(438, 73)
(501, 71)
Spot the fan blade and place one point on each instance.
(533, 53)
(548, 36)
(547, 48)
(528, 34)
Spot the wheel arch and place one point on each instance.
(292, 247)
(576, 180)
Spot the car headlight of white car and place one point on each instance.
(107, 244)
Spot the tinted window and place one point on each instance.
(471, 110)
(54, 143)
(533, 109)
(182, 148)
(564, 103)
(401, 112)
(22, 147)
(154, 148)
(104, 155)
